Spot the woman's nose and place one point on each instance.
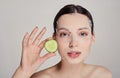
(73, 42)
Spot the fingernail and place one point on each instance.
(44, 28)
(26, 33)
(36, 26)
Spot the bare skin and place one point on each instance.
(31, 50)
(86, 71)
(75, 32)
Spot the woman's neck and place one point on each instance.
(69, 69)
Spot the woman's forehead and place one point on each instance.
(73, 29)
(73, 20)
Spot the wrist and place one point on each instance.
(21, 73)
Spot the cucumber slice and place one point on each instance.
(51, 46)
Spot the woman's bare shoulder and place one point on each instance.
(47, 73)
(101, 72)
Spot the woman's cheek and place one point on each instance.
(86, 49)
(62, 48)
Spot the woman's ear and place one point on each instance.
(54, 36)
(93, 38)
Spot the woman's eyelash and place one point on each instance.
(63, 34)
(83, 34)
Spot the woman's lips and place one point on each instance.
(73, 54)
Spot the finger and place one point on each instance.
(47, 56)
(32, 35)
(39, 36)
(25, 39)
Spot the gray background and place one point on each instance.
(19, 16)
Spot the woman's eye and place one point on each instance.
(83, 34)
(63, 34)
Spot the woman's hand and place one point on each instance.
(31, 49)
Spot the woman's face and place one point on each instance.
(74, 37)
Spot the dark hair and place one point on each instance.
(71, 8)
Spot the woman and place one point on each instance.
(73, 31)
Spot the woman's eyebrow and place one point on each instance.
(62, 29)
(68, 30)
(83, 28)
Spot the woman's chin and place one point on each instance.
(73, 61)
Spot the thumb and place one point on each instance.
(46, 56)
